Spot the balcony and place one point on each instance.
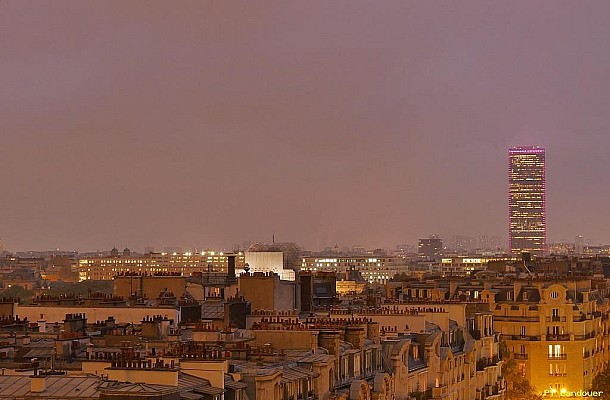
(556, 318)
(310, 395)
(515, 318)
(523, 337)
(589, 335)
(558, 356)
(519, 356)
(489, 392)
(486, 362)
(563, 337)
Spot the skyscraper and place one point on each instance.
(527, 200)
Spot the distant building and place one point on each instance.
(291, 252)
(431, 248)
(463, 266)
(596, 250)
(186, 264)
(562, 248)
(268, 261)
(372, 269)
(527, 200)
(463, 244)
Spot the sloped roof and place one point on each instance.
(212, 310)
(293, 373)
(140, 388)
(57, 387)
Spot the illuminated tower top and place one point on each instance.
(527, 200)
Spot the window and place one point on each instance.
(523, 330)
(554, 295)
(555, 312)
(556, 351)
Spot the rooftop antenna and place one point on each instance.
(273, 238)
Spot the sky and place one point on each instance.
(208, 123)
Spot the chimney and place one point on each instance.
(330, 341)
(231, 266)
(306, 281)
(42, 324)
(355, 336)
(38, 382)
(372, 331)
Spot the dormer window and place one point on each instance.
(524, 296)
(509, 295)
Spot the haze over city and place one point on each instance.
(146, 124)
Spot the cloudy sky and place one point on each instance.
(207, 123)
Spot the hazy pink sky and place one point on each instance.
(206, 123)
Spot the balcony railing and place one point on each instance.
(488, 391)
(519, 356)
(486, 362)
(523, 337)
(587, 317)
(562, 337)
(556, 318)
(585, 336)
(558, 356)
(515, 318)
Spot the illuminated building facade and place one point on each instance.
(556, 327)
(185, 264)
(373, 269)
(527, 200)
(463, 266)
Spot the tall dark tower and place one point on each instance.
(527, 200)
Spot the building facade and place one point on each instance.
(527, 200)
(431, 248)
(554, 330)
(374, 269)
(185, 264)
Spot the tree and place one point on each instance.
(17, 291)
(518, 387)
(601, 383)
(80, 288)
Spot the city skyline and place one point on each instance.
(377, 124)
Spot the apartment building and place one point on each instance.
(185, 264)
